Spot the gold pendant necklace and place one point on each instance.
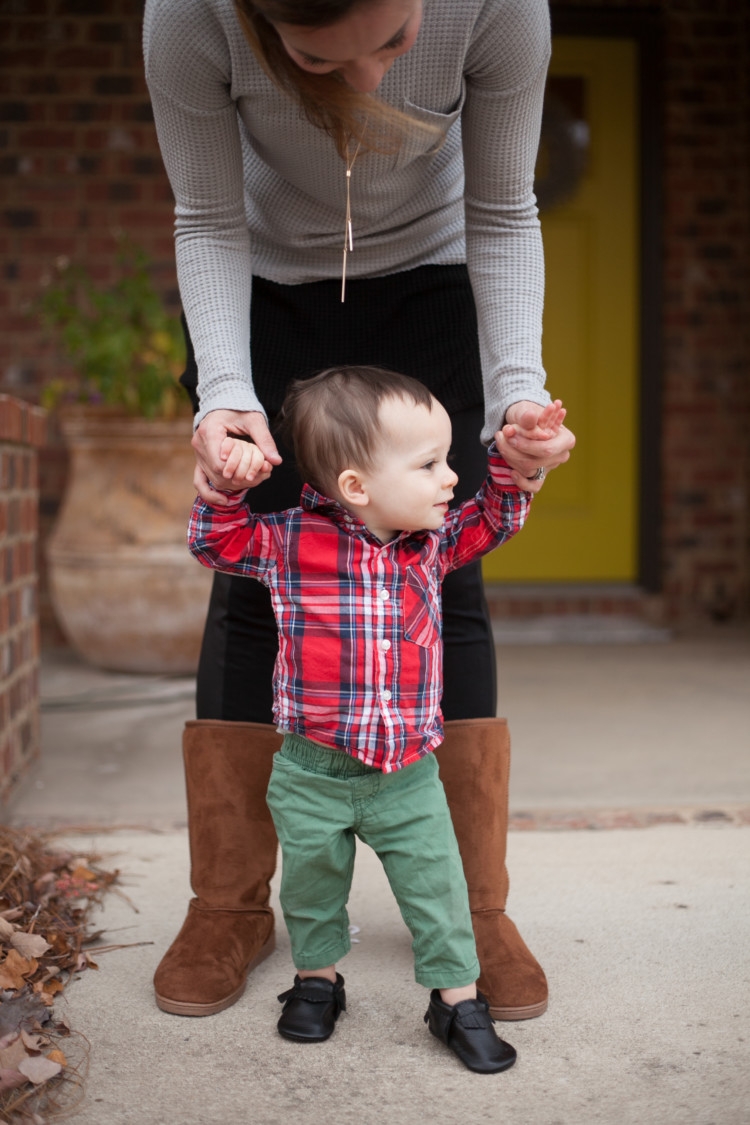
(348, 240)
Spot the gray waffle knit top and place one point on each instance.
(258, 189)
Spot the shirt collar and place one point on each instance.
(314, 501)
(311, 500)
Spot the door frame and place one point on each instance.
(646, 30)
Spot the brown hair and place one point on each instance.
(349, 117)
(331, 421)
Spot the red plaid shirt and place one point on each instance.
(360, 654)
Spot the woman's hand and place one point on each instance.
(223, 462)
(534, 438)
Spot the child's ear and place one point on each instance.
(352, 488)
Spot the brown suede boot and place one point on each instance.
(229, 925)
(474, 765)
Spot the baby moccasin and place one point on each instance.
(468, 1030)
(311, 1008)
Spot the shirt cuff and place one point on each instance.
(228, 394)
(236, 498)
(500, 470)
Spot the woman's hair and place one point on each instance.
(349, 117)
(332, 420)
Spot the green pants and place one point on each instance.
(320, 801)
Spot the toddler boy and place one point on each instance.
(354, 574)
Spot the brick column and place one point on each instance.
(706, 310)
(22, 433)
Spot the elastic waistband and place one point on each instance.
(315, 758)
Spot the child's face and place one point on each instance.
(411, 482)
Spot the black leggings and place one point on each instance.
(423, 323)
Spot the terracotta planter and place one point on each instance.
(126, 591)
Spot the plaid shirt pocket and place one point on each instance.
(421, 609)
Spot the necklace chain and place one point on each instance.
(348, 239)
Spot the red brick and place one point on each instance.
(82, 111)
(79, 58)
(11, 419)
(46, 138)
(18, 59)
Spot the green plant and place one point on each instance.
(127, 350)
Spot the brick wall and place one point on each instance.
(79, 161)
(706, 350)
(22, 433)
(706, 309)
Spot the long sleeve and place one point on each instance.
(188, 75)
(501, 122)
(497, 513)
(234, 540)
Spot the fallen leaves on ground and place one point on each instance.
(46, 896)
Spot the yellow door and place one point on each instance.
(583, 525)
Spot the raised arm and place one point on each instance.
(500, 508)
(229, 537)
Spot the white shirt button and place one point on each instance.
(383, 594)
(386, 695)
(385, 645)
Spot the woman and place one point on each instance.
(318, 224)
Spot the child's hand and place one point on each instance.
(245, 461)
(540, 427)
(548, 423)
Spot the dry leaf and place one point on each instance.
(58, 941)
(11, 1079)
(11, 981)
(39, 1069)
(15, 968)
(33, 1042)
(29, 945)
(46, 997)
(13, 1054)
(83, 874)
(48, 895)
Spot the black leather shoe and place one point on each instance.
(467, 1029)
(311, 1009)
